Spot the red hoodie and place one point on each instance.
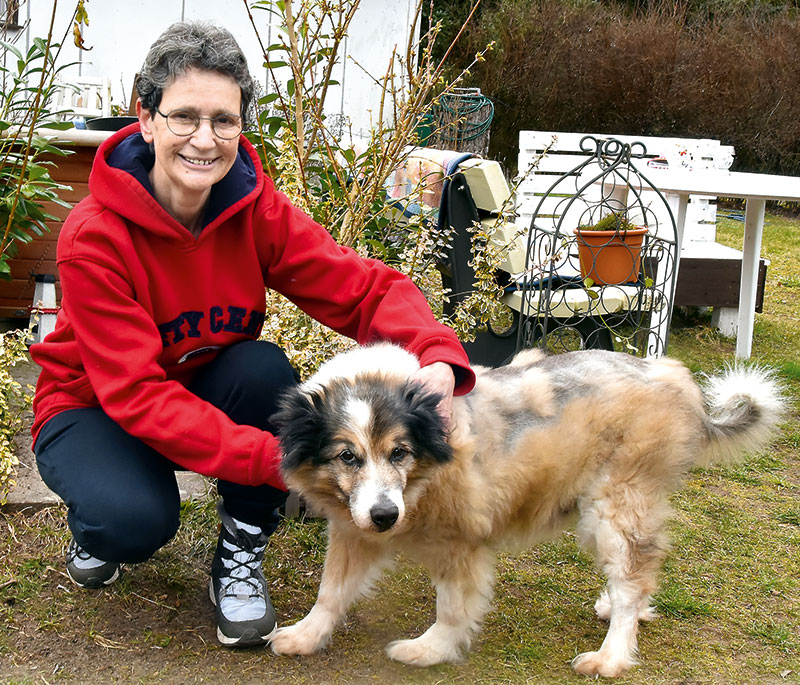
(145, 303)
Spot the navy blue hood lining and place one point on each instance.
(135, 157)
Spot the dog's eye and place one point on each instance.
(348, 457)
(398, 454)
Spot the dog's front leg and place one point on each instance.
(351, 566)
(464, 581)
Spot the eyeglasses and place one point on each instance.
(183, 123)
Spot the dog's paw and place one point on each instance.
(301, 638)
(421, 651)
(599, 664)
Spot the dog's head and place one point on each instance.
(361, 446)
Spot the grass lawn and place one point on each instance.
(729, 603)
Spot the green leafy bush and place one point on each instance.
(342, 184)
(28, 88)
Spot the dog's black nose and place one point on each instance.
(384, 515)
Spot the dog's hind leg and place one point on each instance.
(463, 594)
(629, 548)
(351, 567)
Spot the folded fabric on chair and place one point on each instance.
(422, 176)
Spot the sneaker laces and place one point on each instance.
(241, 593)
(241, 580)
(80, 558)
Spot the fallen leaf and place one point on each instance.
(77, 37)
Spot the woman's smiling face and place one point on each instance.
(187, 166)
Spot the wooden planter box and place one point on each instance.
(39, 256)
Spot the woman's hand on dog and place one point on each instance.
(439, 378)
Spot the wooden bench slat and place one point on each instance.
(568, 302)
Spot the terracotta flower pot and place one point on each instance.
(610, 257)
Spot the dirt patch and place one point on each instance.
(155, 625)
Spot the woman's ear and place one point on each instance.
(145, 122)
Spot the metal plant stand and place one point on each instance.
(562, 309)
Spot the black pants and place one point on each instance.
(122, 495)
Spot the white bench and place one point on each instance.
(85, 98)
(576, 309)
(546, 155)
(490, 193)
(565, 153)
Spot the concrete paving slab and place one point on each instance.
(29, 490)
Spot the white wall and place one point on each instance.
(121, 31)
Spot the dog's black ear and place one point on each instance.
(425, 423)
(300, 427)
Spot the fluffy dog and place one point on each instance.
(596, 437)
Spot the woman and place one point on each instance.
(155, 365)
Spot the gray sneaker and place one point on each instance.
(238, 588)
(87, 571)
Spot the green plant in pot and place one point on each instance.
(610, 250)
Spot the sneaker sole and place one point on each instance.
(94, 583)
(249, 639)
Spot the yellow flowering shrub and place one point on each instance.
(15, 400)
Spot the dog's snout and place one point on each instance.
(384, 515)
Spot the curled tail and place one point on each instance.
(744, 407)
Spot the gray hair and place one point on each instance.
(192, 45)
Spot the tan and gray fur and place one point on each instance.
(593, 439)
